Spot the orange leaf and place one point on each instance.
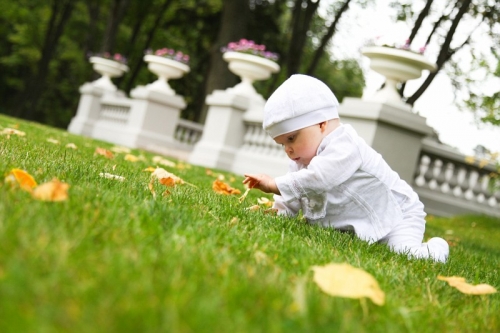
(22, 178)
(466, 288)
(104, 152)
(222, 188)
(161, 173)
(54, 190)
(167, 181)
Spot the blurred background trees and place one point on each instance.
(44, 45)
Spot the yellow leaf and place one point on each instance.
(71, 146)
(222, 188)
(161, 173)
(22, 178)
(265, 201)
(120, 149)
(131, 158)
(149, 169)
(54, 190)
(466, 288)
(344, 280)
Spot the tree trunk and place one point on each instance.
(118, 9)
(327, 37)
(29, 98)
(234, 23)
(300, 23)
(93, 8)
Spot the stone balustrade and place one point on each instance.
(448, 184)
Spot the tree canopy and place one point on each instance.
(44, 46)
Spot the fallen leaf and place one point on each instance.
(103, 152)
(222, 188)
(163, 161)
(71, 146)
(271, 211)
(344, 280)
(466, 288)
(21, 178)
(265, 201)
(131, 158)
(209, 172)
(120, 149)
(111, 176)
(161, 173)
(54, 190)
(253, 208)
(54, 141)
(11, 131)
(149, 169)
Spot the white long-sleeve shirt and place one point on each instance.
(348, 186)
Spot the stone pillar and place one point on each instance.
(223, 132)
(154, 117)
(88, 110)
(391, 129)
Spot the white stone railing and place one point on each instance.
(448, 185)
(187, 134)
(258, 141)
(115, 113)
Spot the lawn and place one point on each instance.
(114, 257)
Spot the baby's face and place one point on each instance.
(301, 145)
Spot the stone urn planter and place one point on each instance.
(249, 68)
(108, 69)
(398, 66)
(166, 69)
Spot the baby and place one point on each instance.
(335, 178)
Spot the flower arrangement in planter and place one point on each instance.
(170, 54)
(405, 47)
(106, 55)
(250, 47)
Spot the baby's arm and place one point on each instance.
(261, 182)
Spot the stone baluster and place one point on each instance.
(481, 188)
(448, 173)
(436, 169)
(422, 169)
(472, 181)
(458, 178)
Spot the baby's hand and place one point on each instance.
(261, 182)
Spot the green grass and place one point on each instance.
(113, 258)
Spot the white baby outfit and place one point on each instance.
(349, 186)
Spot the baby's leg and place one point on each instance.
(407, 236)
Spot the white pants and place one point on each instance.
(407, 236)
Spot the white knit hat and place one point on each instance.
(299, 102)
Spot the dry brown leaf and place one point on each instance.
(11, 131)
(209, 172)
(466, 288)
(54, 141)
(271, 211)
(344, 280)
(21, 178)
(54, 190)
(222, 188)
(253, 208)
(103, 152)
(265, 201)
(161, 173)
(163, 161)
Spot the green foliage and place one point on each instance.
(113, 258)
